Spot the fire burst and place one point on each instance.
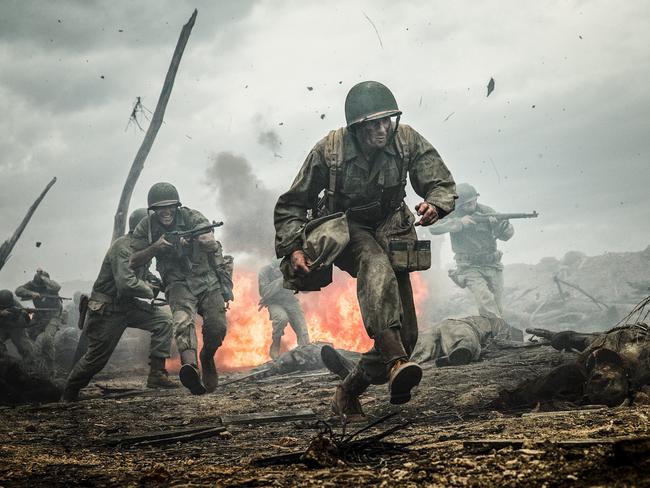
(332, 316)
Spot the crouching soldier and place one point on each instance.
(13, 322)
(121, 298)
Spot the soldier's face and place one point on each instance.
(166, 214)
(468, 207)
(374, 133)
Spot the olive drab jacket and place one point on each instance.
(194, 268)
(43, 285)
(471, 243)
(362, 184)
(116, 281)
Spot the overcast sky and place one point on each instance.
(566, 131)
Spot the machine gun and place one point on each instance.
(45, 295)
(23, 313)
(178, 238)
(479, 217)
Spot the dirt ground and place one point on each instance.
(73, 445)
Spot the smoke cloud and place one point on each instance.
(246, 205)
(270, 140)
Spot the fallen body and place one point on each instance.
(612, 367)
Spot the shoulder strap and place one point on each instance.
(404, 151)
(334, 161)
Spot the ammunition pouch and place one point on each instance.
(323, 240)
(397, 236)
(83, 308)
(370, 213)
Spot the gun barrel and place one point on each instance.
(546, 334)
(504, 216)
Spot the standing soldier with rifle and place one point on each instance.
(49, 317)
(474, 229)
(363, 169)
(121, 298)
(283, 307)
(14, 319)
(195, 276)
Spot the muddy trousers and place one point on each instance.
(104, 330)
(452, 335)
(185, 305)
(43, 337)
(288, 313)
(486, 285)
(385, 299)
(21, 342)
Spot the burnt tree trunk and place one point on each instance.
(156, 121)
(8, 245)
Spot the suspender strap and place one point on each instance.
(334, 159)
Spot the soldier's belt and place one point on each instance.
(479, 259)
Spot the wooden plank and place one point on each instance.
(133, 439)
(203, 434)
(264, 417)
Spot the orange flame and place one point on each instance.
(332, 316)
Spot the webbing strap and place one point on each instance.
(334, 159)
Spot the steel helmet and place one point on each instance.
(369, 100)
(466, 193)
(162, 194)
(136, 216)
(6, 298)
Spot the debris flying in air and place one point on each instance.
(448, 116)
(38, 243)
(490, 87)
(374, 27)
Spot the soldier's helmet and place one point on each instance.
(369, 100)
(162, 194)
(136, 216)
(466, 193)
(6, 298)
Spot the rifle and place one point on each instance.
(45, 295)
(176, 237)
(543, 333)
(479, 217)
(24, 313)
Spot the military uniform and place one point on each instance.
(49, 319)
(12, 327)
(478, 260)
(370, 192)
(114, 306)
(191, 285)
(461, 341)
(283, 307)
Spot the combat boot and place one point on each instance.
(69, 396)
(403, 377)
(210, 375)
(189, 373)
(346, 398)
(158, 377)
(335, 362)
(274, 351)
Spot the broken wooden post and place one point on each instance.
(8, 245)
(119, 223)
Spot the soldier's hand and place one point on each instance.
(162, 243)
(36, 296)
(208, 243)
(5, 313)
(493, 221)
(467, 220)
(428, 212)
(299, 262)
(503, 226)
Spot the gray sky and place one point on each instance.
(565, 131)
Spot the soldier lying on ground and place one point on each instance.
(118, 301)
(453, 342)
(612, 367)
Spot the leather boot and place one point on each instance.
(189, 373)
(403, 377)
(346, 398)
(69, 396)
(335, 362)
(209, 370)
(158, 377)
(274, 351)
